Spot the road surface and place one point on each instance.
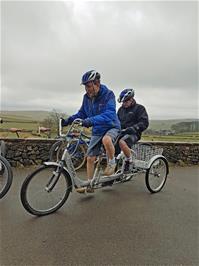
(119, 225)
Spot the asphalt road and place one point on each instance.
(120, 225)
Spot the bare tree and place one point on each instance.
(52, 121)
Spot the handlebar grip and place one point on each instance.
(60, 127)
(78, 121)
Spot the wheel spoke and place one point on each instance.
(5, 176)
(156, 175)
(35, 195)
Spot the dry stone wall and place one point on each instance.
(27, 152)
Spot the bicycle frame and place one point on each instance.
(68, 136)
(81, 134)
(67, 165)
(98, 179)
(52, 194)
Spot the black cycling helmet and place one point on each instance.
(90, 76)
(126, 94)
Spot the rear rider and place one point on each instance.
(134, 120)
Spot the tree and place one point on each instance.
(52, 121)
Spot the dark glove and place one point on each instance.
(65, 122)
(86, 123)
(129, 131)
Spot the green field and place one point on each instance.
(20, 121)
(25, 115)
(184, 137)
(165, 124)
(31, 120)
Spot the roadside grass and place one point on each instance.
(175, 138)
(27, 124)
(183, 137)
(18, 122)
(21, 123)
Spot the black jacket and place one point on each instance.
(134, 116)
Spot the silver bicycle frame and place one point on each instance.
(98, 178)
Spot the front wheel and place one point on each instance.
(156, 175)
(45, 190)
(6, 176)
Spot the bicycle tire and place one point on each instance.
(33, 186)
(2, 148)
(154, 172)
(78, 157)
(7, 174)
(53, 151)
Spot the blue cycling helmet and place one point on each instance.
(126, 94)
(90, 76)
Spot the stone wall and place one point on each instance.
(180, 152)
(26, 152)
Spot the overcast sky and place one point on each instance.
(150, 46)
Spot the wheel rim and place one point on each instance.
(78, 157)
(4, 176)
(77, 154)
(157, 174)
(37, 194)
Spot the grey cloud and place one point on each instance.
(46, 46)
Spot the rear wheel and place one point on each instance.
(6, 176)
(43, 191)
(53, 151)
(156, 175)
(76, 150)
(78, 154)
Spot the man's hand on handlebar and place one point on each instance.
(128, 131)
(65, 122)
(86, 123)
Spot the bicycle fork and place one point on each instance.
(55, 177)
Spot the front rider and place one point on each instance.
(98, 111)
(134, 120)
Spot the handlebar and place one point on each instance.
(77, 121)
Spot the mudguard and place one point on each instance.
(155, 157)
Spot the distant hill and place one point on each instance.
(38, 116)
(166, 124)
(25, 115)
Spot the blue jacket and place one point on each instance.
(101, 111)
